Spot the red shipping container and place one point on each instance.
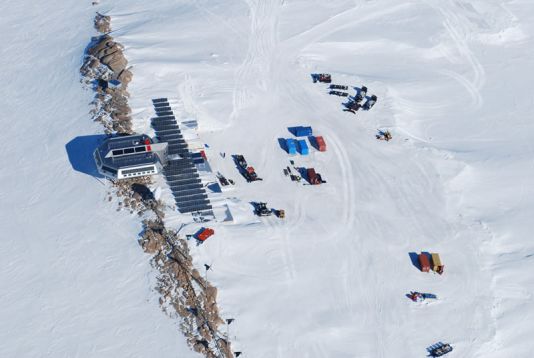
(424, 262)
(321, 145)
(205, 234)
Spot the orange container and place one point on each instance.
(424, 262)
(205, 234)
(321, 145)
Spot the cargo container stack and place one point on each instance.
(303, 147)
(424, 262)
(301, 131)
(319, 143)
(437, 266)
(291, 146)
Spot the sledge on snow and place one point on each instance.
(420, 297)
(439, 349)
(322, 77)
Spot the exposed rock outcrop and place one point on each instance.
(104, 61)
(184, 292)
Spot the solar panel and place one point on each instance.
(180, 152)
(178, 165)
(176, 146)
(180, 187)
(162, 109)
(135, 159)
(164, 126)
(161, 104)
(165, 122)
(165, 113)
(169, 172)
(197, 207)
(167, 138)
(183, 194)
(186, 182)
(182, 178)
(162, 118)
(159, 100)
(190, 199)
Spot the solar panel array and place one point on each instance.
(181, 174)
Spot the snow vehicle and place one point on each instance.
(240, 161)
(338, 93)
(247, 171)
(370, 103)
(340, 87)
(261, 209)
(384, 136)
(420, 297)
(222, 179)
(280, 213)
(439, 349)
(322, 77)
(353, 107)
(361, 95)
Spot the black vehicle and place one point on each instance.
(340, 87)
(338, 93)
(240, 161)
(439, 349)
(246, 171)
(222, 179)
(353, 106)
(261, 209)
(370, 103)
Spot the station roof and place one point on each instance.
(139, 157)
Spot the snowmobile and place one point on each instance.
(420, 297)
(361, 95)
(261, 209)
(240, 161)
(384, 135)
(339, 87)
(353, 107)
(439, 349)
(322, 77)
(222, 179)
(370, 103)
(338, 93)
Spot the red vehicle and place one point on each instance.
(313, 177)
(204, 234)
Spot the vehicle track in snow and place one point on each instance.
(459, 30)
(253, 73)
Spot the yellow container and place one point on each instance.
(436, 262)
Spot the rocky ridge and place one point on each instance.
(185, 294)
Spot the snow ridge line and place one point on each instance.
(184, 293)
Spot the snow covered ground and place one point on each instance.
(74, 282)
(452, 79)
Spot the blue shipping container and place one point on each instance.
(291, 146)
(303, 147)
(303, 131)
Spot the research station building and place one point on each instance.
(123, 157)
